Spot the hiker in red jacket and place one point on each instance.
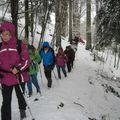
(61, 60)
(13, 70)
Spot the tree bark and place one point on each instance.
(14, 14)
(70, 21)
(26, 21)
(64, 18)
(88, 25)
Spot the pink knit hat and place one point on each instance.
(7, 26)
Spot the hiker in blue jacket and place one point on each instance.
(48, 59)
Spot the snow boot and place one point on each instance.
(22, 114)
(29, 94)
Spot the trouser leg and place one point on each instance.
(21, 100)
(64, 71)
(35, 82)
(29, 85)
(69, 66)
(72, 62)
(23, 87)
(48, 76)
(58, 70)
(6, 104)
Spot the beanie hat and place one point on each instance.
(45, 44)
(7, 26)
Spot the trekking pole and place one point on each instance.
(54, 75)
(41, 78)
(41, 74)
(40, 89)
(21, 90)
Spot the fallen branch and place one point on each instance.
(78, 104)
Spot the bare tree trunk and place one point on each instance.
(76, 18)
(81, 6)
(46, 16)
(70, 21)
(32, 19)
(14, 14)
(26, 21)
(88, 25)
(64, 18)
(58, 22)
(5, 11)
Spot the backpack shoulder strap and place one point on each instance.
(19, 42)
(0, 45)
(51, 49)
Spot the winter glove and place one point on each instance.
(33, 63)
(15, 70)
(39, 62)
(52, 66)
(49, 67)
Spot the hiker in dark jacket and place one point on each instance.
(13, 68)
(72, 51)
(71, 56)
(48, 59)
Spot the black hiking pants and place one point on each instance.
(69, 66)
(7, 97)
(48, 73)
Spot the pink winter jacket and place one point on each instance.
(61, 60)
(9, 57)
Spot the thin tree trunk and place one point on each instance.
(32, 19)
(14, 14)
(76, 19)
(70, 21)
(96, 22)
(88, 25)
(5, 12)
(46, 16)
(58, 22)
(26, 21)
(64, 18)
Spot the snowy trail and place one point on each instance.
(80, 86)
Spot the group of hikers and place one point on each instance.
(19, 65)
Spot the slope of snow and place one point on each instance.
(82, 92)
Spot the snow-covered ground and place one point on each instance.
(85, 93)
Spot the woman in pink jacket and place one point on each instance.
(12, 70)
(61, 60)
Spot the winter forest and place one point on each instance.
(91, 91)
(96, 20)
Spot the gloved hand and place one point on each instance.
(52, 66)
(15, 70)
(49, 67)
(39, 62)
(33, 62)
